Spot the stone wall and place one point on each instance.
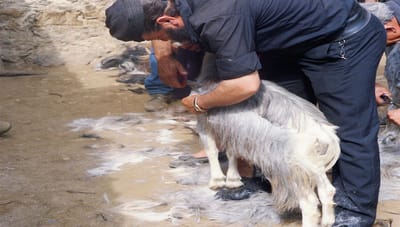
(55, 32)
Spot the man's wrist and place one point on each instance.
(197, 107)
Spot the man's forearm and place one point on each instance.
(394, 116)
(230, 92)
(161, 48)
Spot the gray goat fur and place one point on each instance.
(267, 130)
(380, 10)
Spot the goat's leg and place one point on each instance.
(233, 179)
(217, 178)
(309, 208)
(326, 191)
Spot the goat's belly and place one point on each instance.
(248, 134)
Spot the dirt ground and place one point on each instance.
(44, 177)
(43, 164)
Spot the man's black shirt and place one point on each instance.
(236, 30)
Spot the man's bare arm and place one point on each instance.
(228, 92)
(394, 116)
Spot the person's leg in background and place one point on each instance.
(160, 94)
(345, 90)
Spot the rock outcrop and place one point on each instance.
(55, 32)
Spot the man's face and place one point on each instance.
(392, 31)
(171, 28)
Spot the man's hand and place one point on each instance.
(188, 102)
(379, 91)
(394, 116)
(171, 72)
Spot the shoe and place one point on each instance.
(190, 161)
(251, 185)
(132, 78)
(157, 102)
(345, 217)
(383, 223)
(4, 127)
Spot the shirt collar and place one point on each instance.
(185, 11)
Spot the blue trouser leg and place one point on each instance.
(152, 83)
(345, 92)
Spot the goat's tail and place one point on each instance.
(331, 153)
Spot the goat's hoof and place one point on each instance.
(215, 184)
(233, 183)
(327, 221)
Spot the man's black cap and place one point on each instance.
(125, 20)
(394, 5)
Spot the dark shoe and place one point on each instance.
(383, 223)
(190, 161)
(234, 194)
(157, 102)
(251, 185)
(349, 218)
(111, 62)
(4, 127)
(132, 78)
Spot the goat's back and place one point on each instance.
(289, 110)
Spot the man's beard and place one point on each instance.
(179, 35)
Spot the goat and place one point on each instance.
(288, 138)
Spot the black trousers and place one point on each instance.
(340, 76)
